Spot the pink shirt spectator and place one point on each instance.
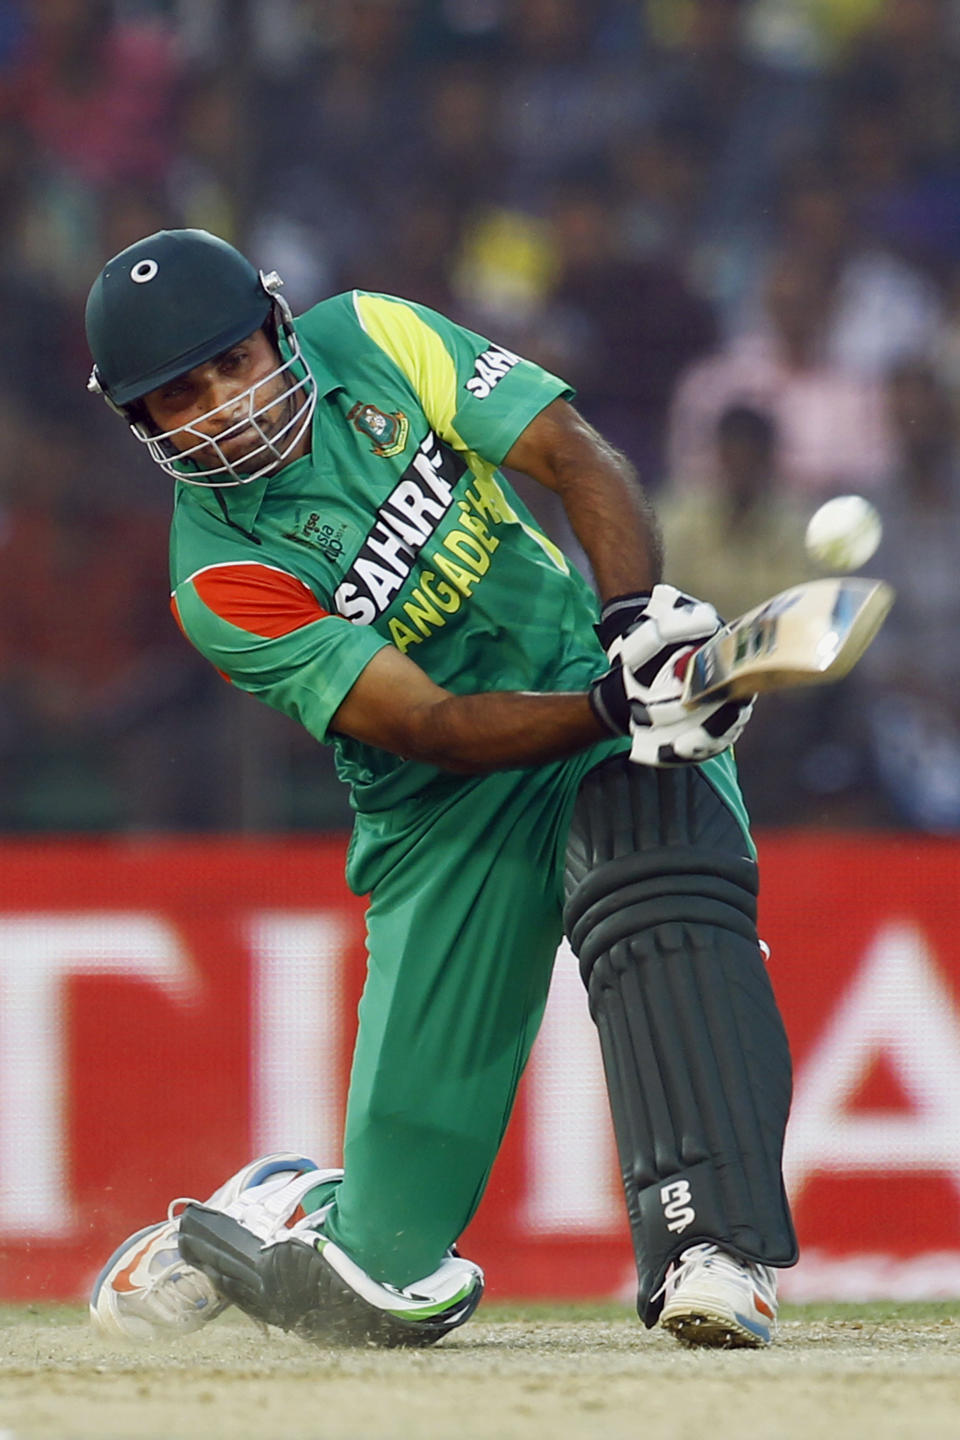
(832, 424)
(99, 108)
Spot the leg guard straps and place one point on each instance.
(679, 885)
(694, 1051)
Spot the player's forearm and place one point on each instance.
(612, 519)
(601, 494)
(502, 730)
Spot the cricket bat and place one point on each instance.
(808, 635)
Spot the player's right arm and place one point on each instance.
(395, 706)
(265, 631)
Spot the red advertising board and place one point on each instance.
(169, 1009)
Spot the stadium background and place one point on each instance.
(734, 226)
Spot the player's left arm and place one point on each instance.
(600, 493)
(502, 410)
(649, 630)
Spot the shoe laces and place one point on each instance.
(172, 1270)
(712, 1255)
(177, 1268)
(164, 1274)
(276, 1226)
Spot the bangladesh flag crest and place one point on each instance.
(388, 433)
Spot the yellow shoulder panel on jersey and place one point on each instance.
(420, 354)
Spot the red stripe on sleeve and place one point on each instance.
(258, 599)
(176, 615)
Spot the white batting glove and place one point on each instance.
(701, 734)
(666, 607)
(650, 641)
(656, 650)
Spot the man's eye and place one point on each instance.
(234, 360)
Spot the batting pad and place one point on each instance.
(292, 1285)
(661, 911)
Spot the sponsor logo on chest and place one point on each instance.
(327, 538)
(403, 524)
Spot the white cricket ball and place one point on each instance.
(843, 533)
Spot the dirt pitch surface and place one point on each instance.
(511, 1375)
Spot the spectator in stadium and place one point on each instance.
(882, 307)
(742, 534)
(909, 690)
(740, 538)
(95, 93)
(741, 119)
(635, 321)
(831, 423)
(96, 702)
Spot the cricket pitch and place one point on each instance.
(511, 1374)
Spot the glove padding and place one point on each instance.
(705, 732)
(656, 650)
(675, 615)
(650, 642)
(619, 615)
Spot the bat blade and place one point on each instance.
(811, 634)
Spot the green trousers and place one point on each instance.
(463, 928)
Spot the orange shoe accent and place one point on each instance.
(763, 1307)
(123, 1283)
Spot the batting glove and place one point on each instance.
(705, 732)
(664, 609)
(650, 640)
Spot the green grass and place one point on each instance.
(32, 1312)
(556, 1312)
(872, 1312)
(876, 1311)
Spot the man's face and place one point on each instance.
(217, 400)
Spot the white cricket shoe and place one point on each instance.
(712, 1298)
(147, 1292)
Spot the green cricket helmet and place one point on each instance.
(178, 299)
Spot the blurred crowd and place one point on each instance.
(733, 225)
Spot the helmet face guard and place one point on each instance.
(178, 299)
(187, 454)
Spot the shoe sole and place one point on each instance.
(714, 1330)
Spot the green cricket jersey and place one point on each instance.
(397, 528)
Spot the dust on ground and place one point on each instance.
(503, 1379)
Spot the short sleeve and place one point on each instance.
(477, 395)
(265, 631)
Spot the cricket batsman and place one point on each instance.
(346, 548)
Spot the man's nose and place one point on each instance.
(226, 403)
